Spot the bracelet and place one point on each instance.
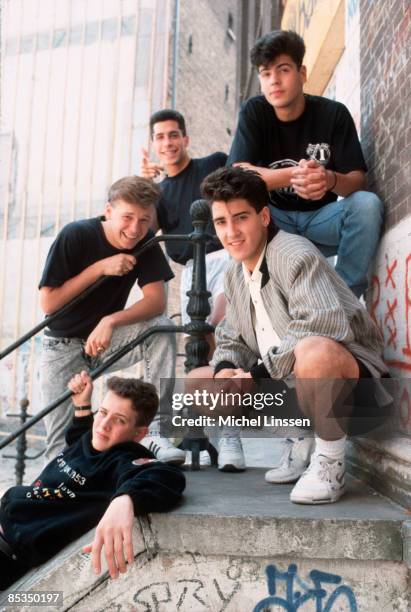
(335, 180)
(88, 407)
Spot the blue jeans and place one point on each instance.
(61, 358)
(349, 228)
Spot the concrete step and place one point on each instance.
(237, 539)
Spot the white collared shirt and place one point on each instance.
(264, 331)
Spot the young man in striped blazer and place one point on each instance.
(288, 314)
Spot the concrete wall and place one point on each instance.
(173, 571)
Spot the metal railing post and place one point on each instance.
(198, 309)
(21, 445)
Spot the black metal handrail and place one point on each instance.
(198, 309)
(93, 375)
(82, 296)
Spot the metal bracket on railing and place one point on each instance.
(21, 445)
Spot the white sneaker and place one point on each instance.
(294, 461)
(205, 459)
(231, 455)
(322, 483)
(164, 450)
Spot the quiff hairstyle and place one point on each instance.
(227, 184)
(275, 43)
(168, 114)
(135, 190)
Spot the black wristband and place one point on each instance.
(87, 407)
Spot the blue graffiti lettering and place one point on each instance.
(294, 599)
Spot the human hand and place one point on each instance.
(117, 265)
(114, 532)
(149, 169)
(309, 180)
(100, 338)
(82, 387)
(228, 372)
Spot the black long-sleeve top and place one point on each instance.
(74, 490)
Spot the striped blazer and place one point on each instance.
(303, 296)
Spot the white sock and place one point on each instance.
(334, 449)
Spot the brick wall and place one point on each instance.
(385, 102)
(206, 79)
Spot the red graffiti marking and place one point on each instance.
(391, 320)
(374, 305)
(390, 270)
(400, 365)
(407, 349)
(391, 330)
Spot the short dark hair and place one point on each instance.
(275, 43)
(143, 397)
(227, 184)
(168, 114)
(135, 190)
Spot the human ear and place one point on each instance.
(108, 210)
(303, 73)
(265, 215)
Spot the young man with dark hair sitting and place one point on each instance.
(307, 151)
(102, 476)
(288, 314)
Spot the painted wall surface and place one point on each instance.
(372, 80)
(386, 130)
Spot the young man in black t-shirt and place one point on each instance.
(180, 187)
(306, 149)
(102, 476)
(83, 252)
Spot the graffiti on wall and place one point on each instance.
(300, 15)
(298, 591)
(391, 308)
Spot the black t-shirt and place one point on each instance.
(325, 131)
(77, 246)
(173, 208)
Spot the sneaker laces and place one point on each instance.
(324, 473)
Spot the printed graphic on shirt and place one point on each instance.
(320, 152)
(65, 468)
(49, 493)
(284, 192)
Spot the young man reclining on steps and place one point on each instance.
(103, 476)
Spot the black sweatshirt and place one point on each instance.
(74, 490)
